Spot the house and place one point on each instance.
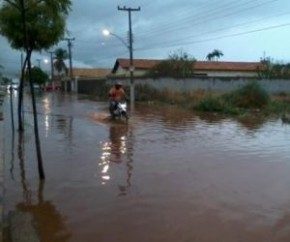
(90, 73)
(80, 75)
(201, 68)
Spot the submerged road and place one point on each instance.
(167, 175)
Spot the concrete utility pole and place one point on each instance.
(51, 68)
(131, 68)
(39, 65)
(22, 61)
(69, 44)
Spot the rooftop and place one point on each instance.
(198, 65)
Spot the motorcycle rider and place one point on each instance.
(116, 94)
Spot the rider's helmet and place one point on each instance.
(118, 84)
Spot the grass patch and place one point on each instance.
(250, 96)
(249, 99)
(217, 105)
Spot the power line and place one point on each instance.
(217, 38)
(209, 16)
(161, 42)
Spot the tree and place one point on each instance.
(32, 25)
(214, 55)
(6, 80)
(271, 70)
(209, 57)
(178, 65)
(60, 56)
(38, 76)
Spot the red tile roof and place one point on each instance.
(198, 65)
(226, 66)
(90, 72)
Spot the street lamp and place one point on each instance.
(107, 33)
(131, 67)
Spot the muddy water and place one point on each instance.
(167, 175)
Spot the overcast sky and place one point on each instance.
(243, 30)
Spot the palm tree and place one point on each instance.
(60, 56)
(214, 55)
(209, 56)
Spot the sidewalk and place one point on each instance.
(19, 226)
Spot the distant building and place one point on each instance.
(79, 75)
(201, 68)
(90, 72)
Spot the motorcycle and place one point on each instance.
(119, 110)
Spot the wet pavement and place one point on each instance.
(167, 175)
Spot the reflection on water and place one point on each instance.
(167, 175)
(115, 151)
(50, 223)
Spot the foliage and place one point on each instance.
(214, 55)
(45, 23)
(271, 70)
(215, 104)
(6, 80)
(33, 26)
(178, 65)
(60, 56)
(38, 76)
(251, 95)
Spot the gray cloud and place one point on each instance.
(243, 30)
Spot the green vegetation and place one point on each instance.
(178, 65)
(38, 76)
(250, 96)
(60, 56)
(273, 70)
(248, 99)
(214, 55)
(32, 26)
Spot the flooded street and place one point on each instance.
(166, 176)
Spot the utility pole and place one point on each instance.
(22, 61)
(69, 45)
(51, 68)
(131, 67)
(38, 61)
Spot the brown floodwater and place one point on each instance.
(166, 176)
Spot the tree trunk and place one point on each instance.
(37, 140)
(28, 56)
(12, 110)
(20, 97)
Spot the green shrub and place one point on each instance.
(215, 104)
(209, 104)
(251, 95)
